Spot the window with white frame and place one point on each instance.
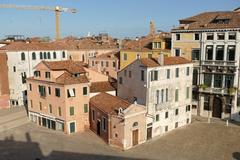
(71, 92)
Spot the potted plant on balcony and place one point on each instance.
(232, 90)
(203, 86)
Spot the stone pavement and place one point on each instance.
(198, 141)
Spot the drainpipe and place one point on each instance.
(109, 128)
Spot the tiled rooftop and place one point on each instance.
(108, 103)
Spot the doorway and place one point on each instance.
(98, 127)
(217, 108)
(135, 137)
(149, 133)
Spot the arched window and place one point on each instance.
(49, 55)
(33, 56)
(23, 56)
(41, 55)
(54, 55)
(135, 124)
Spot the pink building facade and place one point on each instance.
(58, 96)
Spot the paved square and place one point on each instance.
(198, 141)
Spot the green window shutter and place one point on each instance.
(85, 108)
(71, 111)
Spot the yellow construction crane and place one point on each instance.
(56, 9)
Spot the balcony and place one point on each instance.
(223, 91)
(219, 63)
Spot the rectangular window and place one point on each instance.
(218, 79)
(49, 90)
(30, 87)
(232, 36)
(120, 80)
(210, 36)
(196, 36)
(106, 64)
(85, 91)
(47, 75)
(188, 92)
(178, 37)
(188, 71)
(166, 95)
(177, 72)
(206, 103)
(31, 103)
(209, 53)
(59, 111)
(24, 76)
(85, 108)
(196, 54)
(177, 52)
(37, 74)
(101, 63)
(104, 123)
(220, 53)
(166, 115)
(50, 108)
(176, 95)
(162, 95)
(176, 112)
(57, 92)
(207, 79)
(220, 36)
(114, 64)
(157, 117)
(176, 124)
(231, 53)
(149, 55)
(168, 73)
(155, 75)
(125, 56)
(63, 54)
(71, 92)
(42, 90)
(40, 106)
(14, 68)
(125, 73)
(188, 108)
(71, 110)
(157, 96)
(142, 75)
(129, 74)
(166, 128)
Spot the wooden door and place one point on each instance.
(135, 137)
(149, 133)
(217, 108)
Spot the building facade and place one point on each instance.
(164, 86)
(212, 41)
(58, 96)
(118, 122)
(150, 46)
(22, 57)
(107, 64)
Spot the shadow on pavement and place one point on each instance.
(18, 150)
(236, 155)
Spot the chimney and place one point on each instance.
(161, 59)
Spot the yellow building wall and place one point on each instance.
(186, 44)
(132, 56)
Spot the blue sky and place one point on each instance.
(120, 18)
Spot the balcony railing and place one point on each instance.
(225, 91)
(219, 63)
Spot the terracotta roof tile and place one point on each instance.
(33, 46)
(68, 79)
(68, 65)
(101, 87)
(209, 20)
(108, 103)
(153, 62)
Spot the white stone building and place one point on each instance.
(212, 41)
(164, 86)
(22, 57)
